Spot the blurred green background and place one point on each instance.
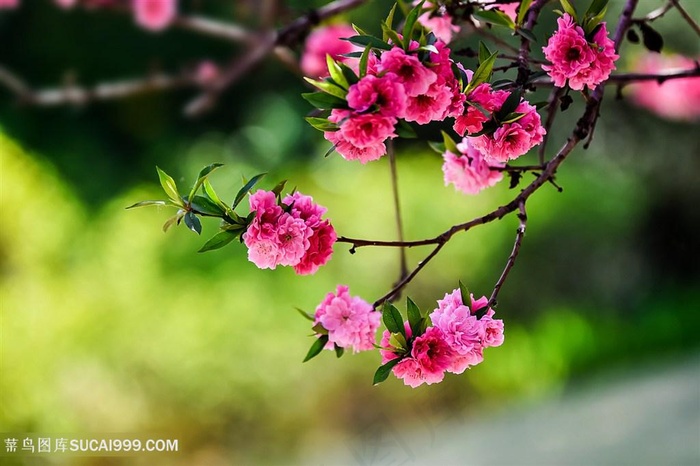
(110, 325)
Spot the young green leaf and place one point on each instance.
(192, 222)
(450, 145)
(483, 72)
(405, 130)
(324, 101)
(569, 8)
(171, 221)
(279, 187)
(398, 341)
(211, 194)
(596, 7)
(414, 316)
(203, 206)
(495, 17)
(339, 350)
(383, 371)
(321, 124)
(484, 52)
(336, 73)
(316, 347)
(169, 186)
(522, 11)
(305, 314)
(365, 40)
(203, 174)
(364, 60)
(392, 319)
(328, 87)
(145, 203)
(410, 24)
(219, 240)
(510, 104)
(389, 21)
(464, 293)
(438, 147)
(389, 34)
(244, 190)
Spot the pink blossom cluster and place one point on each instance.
(291, 234)
(323, 41)
(577, 60)
(438, 21)
(8, 4)
(397, 86)
(676, 99)
(350, 321)
(154, 15)
(469, 171)
(455, 341)
(509, 140)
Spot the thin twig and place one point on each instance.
(524, 53)
(403, 272)
(519, 234)
(688, 19)
(552, 106)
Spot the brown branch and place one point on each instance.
(688, 19)
(520, 233)
(216, 29)
(552, 105)
(524, 53)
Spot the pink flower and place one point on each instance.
(676, 99)
(369, 129)
(473, 119)
(385, 92)
(510, 141)
(323, 234)
(430, 357)
(437, 21)
(410, 371)
(350, 321)
(491, 330)
(388, 355)
(8, 4)
(154, 15)
(469, 172)
(351, 152)
(295, 236)
(432, 105)
(415, 77)
(575, 60)
(326, 41)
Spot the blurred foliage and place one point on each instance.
(109, 325)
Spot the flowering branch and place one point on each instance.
(688, 19)
(520, 233)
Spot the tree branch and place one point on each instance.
(520, 233)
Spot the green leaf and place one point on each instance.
(398, 341)
(524, 6)
(339, 351)
(324, 101)
(390, 35)
(392, 319)
(569, 8)
(450, 145)
(513, 117)
(321, 124)
(279, 187)
(203, 206)
(591, 24)
(358, 30)
(316, 347)
(305, 314)
(219, 240)
(483, 72)
(495, 17)
(389, 21)
(510, 104)
(336, 73)
(484, 52)
(365, 40)
(169, 186)
(364, 60)
(410, 25)
(596, 7)
(438, 147)
(329, 151)
(319, 329)
(328, 87)
(193, 223)
(203, 174)
(414, 316)
(526, 33)
(383, 371)
(424, 324)
(211, 194)
(405, 130)
(349, 74)
(145, 203)
(171, 221)
(464, 293)
(247, 187)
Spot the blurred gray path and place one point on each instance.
(638, 418)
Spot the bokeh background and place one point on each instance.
(111, 326)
